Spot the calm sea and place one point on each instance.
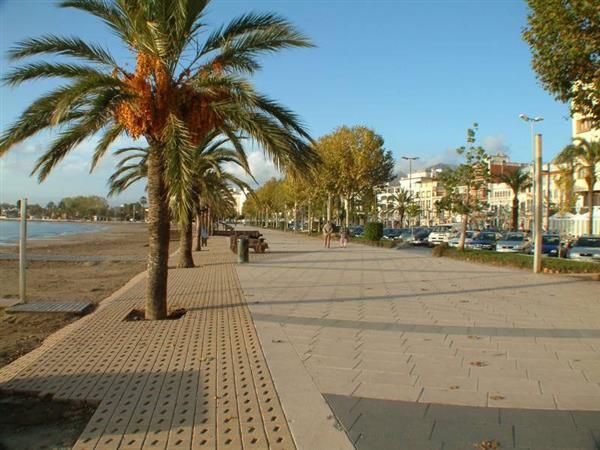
(9, 230)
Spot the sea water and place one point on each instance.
(10, 229)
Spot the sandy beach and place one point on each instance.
(64, 281)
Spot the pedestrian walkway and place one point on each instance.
(416, 352)
(197, 382)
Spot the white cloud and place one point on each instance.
(261, 168)
(496, 144)
(449, 156)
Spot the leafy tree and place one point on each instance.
(464, 186)
(187, 82)
(354, 160)
(564, 36)
(83, 207)
(518, 181)
(585, 156)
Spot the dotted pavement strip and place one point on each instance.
(197, 382)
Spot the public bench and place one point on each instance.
(255, 240)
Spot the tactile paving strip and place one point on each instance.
(200, 382)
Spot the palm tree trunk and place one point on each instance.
(158, 232)
(186, 237)
(515, 213)
(328, 207)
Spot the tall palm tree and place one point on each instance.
(518, 181)
(186, 83)
(398, 203)
(207, 171)
(584, 155)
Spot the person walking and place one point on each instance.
(343, 237)
(327, 230)
(204, 237)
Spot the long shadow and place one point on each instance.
(430, 329)
(411, 296)
(277, 265)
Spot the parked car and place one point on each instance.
(551, 245)
(513, 242)
(420, 237)
(469, 235)
(440, 233)
(356, 231)
(586, 248)
(486, 240)
(391, 233)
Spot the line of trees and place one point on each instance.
(353, 161)
(81, 207)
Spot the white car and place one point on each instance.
(586, 248)
(440, 234)
(513, 242)
(456, 239)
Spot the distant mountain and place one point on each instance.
(441, 166)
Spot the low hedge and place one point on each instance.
(373, 231)
(521, 261)
(380, 243)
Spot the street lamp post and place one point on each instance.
(410, 159)
(532, 121)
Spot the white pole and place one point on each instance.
(23, 251)
(537, 257)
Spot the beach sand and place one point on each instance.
(52, 281)
(32, 422)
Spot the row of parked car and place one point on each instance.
(553, 244)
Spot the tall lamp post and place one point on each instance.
(410, 159)
(532, 121)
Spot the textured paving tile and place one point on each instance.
(197, 382)
(385, 424)
(432, 332)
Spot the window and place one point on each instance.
(583, 125)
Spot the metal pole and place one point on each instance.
(533, 182)
(537, 257)
(547, 217)
(23, 252)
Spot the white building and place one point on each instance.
(240, 198)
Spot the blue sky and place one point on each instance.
(418, 72)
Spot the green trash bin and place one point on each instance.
(242, 250)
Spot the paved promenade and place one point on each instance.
(415, 352)
(198, 382)
(333, 349)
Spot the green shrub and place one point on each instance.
(373, 231)
(549, 265)
(383, 244)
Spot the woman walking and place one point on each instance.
(343, 237)
(327, 230)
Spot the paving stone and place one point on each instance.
(200, 381)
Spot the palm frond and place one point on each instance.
(65, 46)
(48, 70)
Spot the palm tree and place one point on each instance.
(398, 203)
(208, 175)
(518, 181)
(187, 82)
(584, 155)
